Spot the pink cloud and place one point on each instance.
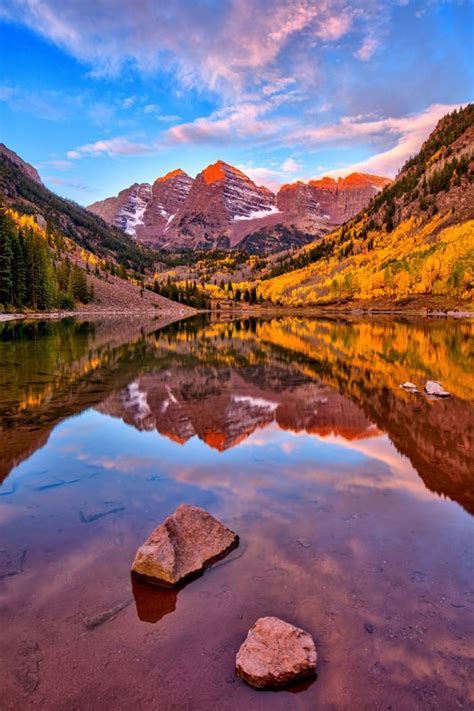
(367, 49)
(222, 46)
(407, 133)
(333, 27)
(225, 125)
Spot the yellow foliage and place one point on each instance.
(414, 259)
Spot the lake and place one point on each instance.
(353, 500)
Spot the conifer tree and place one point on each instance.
(6, 258)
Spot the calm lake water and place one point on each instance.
(353, 500)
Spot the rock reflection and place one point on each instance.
(153, 602)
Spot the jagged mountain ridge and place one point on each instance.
(338, 200)
(223, 412)
(224, 208)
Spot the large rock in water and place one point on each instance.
(180, 548)
(275, 653)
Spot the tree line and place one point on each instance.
(189, 294)
(30, 277)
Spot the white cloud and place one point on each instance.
(242, 121)
(58, 164)
(151, 109)
(272, 178)
(60, 182)
(44, 104)
(119, 146)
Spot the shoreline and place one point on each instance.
(57, 315)
(333, 311)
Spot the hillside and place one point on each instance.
(54, 254)
(416, 237)
(42, 270)
(22, 190)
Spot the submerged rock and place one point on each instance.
(92, 622)
(411, 387)
(432, 387)
(275, 653)
(180, 548)
(27, 666)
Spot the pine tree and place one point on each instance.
(19, 270)
(78, 285)
(7, 232)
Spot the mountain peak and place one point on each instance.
(220, 170)
(25, 167)
(169, 176)
(357, 180)
(350, 182)
(213, 173)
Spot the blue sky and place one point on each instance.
(98, 94)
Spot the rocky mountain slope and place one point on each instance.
(22, 190)
(26, 168)
(126, 210)
(144, 211)
(415, 238)
(222, 208)
(167, 196)
(57, 255)
(338, 200)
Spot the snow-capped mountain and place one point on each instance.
(220, 196)
(127, 209)
(224, 208)
(167, 196)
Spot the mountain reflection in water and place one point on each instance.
(351, 497)
(222, 380)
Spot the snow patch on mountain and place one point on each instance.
(136, 401)
(256, 214)
(256, 402)
(130, 214)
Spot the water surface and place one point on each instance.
(353, 500)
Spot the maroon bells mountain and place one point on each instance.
(223, 208)
(338, 200)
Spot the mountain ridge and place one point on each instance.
(223, 208)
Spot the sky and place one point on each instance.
(99, 94)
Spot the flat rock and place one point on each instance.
(275, 654)
(180, 548)
(11, 563)
(411, 387)
(432, 387)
